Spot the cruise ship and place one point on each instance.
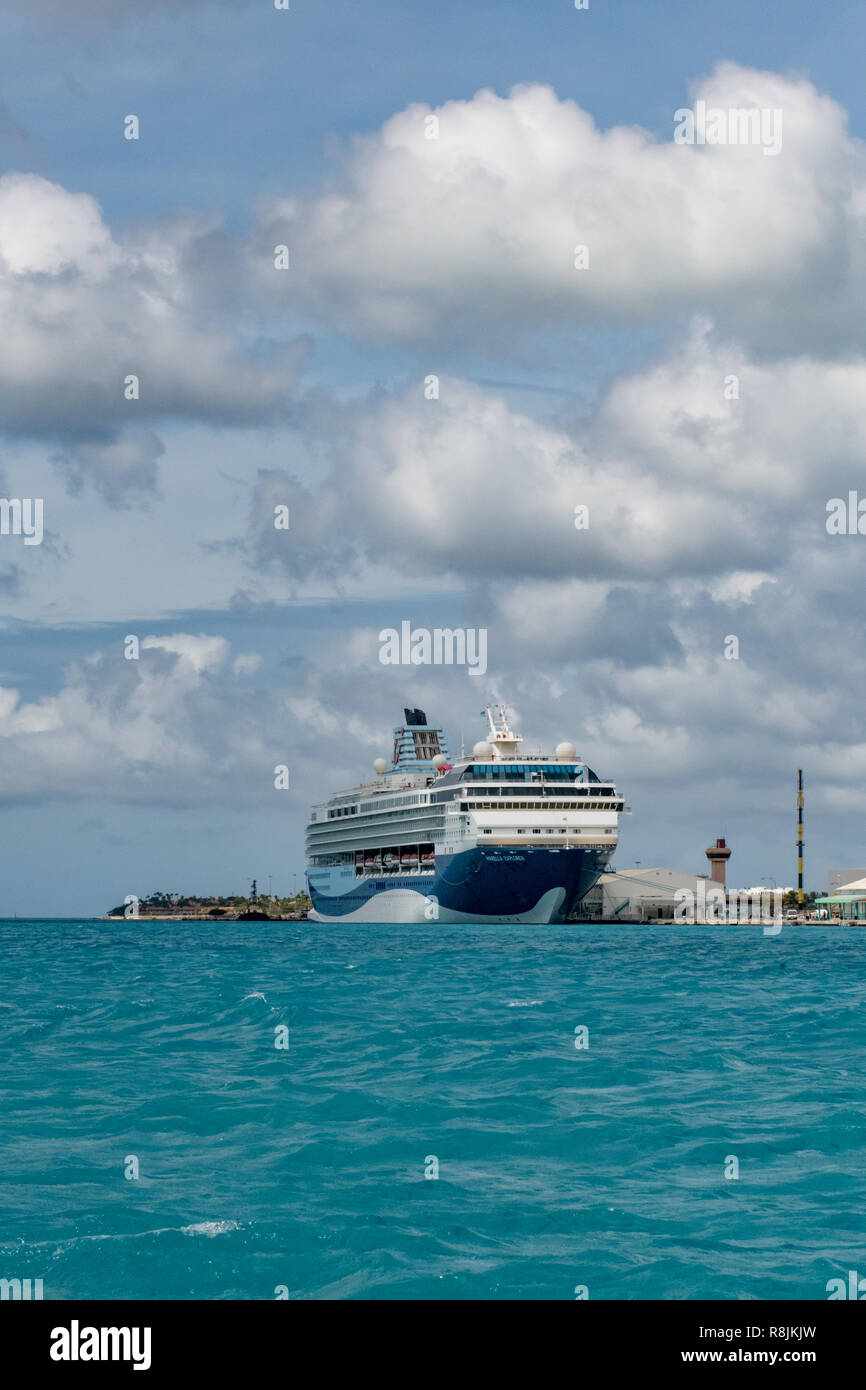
(501, 836)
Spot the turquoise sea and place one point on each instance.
(304, 1167)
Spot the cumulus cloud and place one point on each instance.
(477, 228)
(707, 465)
(246, 664)
(157, 729)
(711, 414)
(120, 469)
(84, 312)
(172, 728)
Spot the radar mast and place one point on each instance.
(503, 741)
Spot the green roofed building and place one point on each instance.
(849, 905)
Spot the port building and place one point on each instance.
(846, 904)
(649, 895)
(838, 878)
(640, 895)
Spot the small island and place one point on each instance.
(256, 907)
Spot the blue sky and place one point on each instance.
(238, 97)
(155, 256)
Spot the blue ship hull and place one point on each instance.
(479, 885)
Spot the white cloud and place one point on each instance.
(246, 664)
(678, 480)
(197, 654)
(82, 312)
(156, 728)
(46, 230)
(477, 228)
(739, 586)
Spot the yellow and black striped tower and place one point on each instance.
(799, 836)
